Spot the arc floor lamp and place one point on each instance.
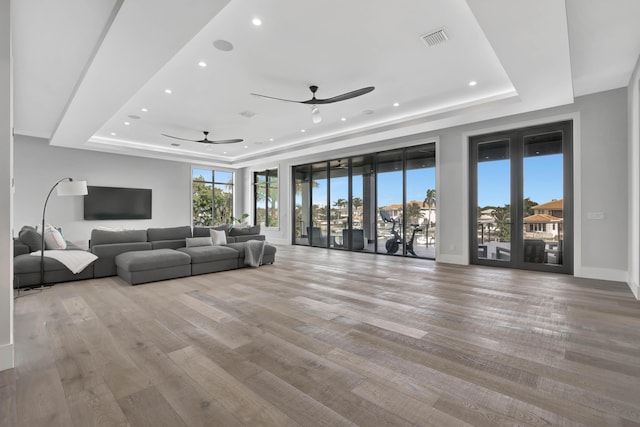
(66, 187)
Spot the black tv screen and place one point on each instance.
(117, 203)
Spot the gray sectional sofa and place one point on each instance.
(140, 256)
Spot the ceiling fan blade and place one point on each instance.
(343, 97)
(222, 141)
(277, 99)
(182, 139)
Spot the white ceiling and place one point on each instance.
(80, 74)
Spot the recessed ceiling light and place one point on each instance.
(113, 134)
(223, 45)
(256, 21)
(395, 104)
(473, 83)
(202, 64)
(344, 119)
(246, 146)
(168, 91)
(127, 123)
(224, 152)
(144, 110)
(303, 130)
(271, 139)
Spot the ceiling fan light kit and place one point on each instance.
(315, 114)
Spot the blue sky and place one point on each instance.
(542, 180)
(542, 183)
(389, 187)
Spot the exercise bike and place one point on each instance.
(393, 243)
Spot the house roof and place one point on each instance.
(555, 205)
(541, 219)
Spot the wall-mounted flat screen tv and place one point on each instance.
(103, 203)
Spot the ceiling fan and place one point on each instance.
(206, 140)
(314, 102)
(342, 166)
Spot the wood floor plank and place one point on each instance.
(147, 407)
(236, 397)
(40, 400)
(8, 413)
(327, 337)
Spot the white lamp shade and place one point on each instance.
(72, 188)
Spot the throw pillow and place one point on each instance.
(30, 237)
(53, 239)
(219, 237)
(198, 241)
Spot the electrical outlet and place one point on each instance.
(595, 215)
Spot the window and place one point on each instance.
(379, 202)
(521, 198)
(212, 197)
(266, 197)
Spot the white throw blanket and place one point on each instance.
(253, 252)
(76, 261)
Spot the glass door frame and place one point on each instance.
(516, 149)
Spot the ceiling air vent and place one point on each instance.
(434, 37)
(248, 114)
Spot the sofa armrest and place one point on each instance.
(240, 239)
(20, 248)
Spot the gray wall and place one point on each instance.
(633, 95)
(6, 200)
(601, 181)
(38, 166)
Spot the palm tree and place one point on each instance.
(357, 203)
(430, 201)
(340, 204)
(502, 216)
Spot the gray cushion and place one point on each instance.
(30, 237)
(198, 241)
(200, 254)
(113, 249)
(204, 231)
(148, 260)
(168, 244)
(168, 233)
(102, 237)
(245, 231)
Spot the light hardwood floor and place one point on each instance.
(326, 338)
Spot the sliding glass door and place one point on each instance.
(521, 198)
(380, 202)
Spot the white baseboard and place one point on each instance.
(635, 289)
(452, 259)
(602, 274)
(6, 357)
